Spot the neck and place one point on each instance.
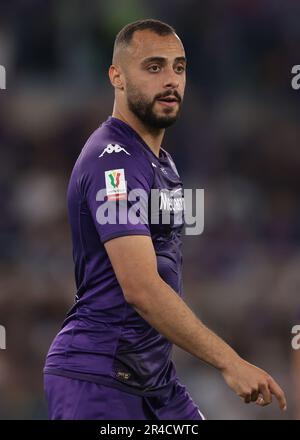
(152, 137)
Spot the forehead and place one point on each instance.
(149, 44)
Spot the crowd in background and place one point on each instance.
(237, 137)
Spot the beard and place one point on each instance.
(143, 108)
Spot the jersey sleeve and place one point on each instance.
(116, 189)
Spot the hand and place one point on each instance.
(253, 384)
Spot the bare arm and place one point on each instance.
(134, 262)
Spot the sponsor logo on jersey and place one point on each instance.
(115, 184)
(113, 148)
(172, 200)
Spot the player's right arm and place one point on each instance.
(134, 261)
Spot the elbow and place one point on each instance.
(140, 295)
(137, 298)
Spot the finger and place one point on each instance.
(266, 394)
(260, 400)
(247, 398)
(278, 393)
(254, 396)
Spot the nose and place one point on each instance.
(171, 79)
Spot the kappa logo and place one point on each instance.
(113, 148)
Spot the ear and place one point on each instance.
(116, 77)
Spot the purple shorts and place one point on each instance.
(74, 399)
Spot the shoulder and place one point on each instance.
(105, 153)
(108, 147)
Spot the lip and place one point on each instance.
(168, 104)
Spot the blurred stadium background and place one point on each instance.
(238, 138)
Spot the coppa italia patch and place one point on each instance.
(115, 184)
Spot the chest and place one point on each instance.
(166, 201)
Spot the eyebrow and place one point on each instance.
(161, 60)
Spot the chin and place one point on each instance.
(165, 122)
(168, 118)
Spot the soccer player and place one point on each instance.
(112, 356)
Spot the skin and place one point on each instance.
(137, 274)
(152, 79)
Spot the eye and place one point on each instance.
(154, 68)
(180, 68)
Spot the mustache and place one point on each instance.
(169, 93)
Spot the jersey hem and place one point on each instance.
(108, 381)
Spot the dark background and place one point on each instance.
(238, 138)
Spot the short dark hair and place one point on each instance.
(125, 35)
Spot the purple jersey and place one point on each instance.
(103, 339)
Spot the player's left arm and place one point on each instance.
(134, 262)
